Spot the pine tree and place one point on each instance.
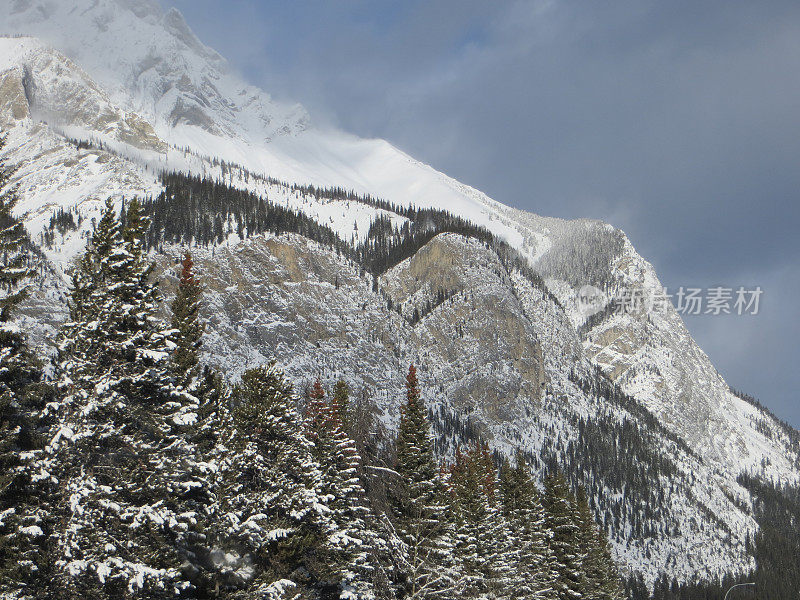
(612, 587)
(371, 438)
(419, 505)
(25, 554)
(341, 403)
(470, 510)
(602, 580)
(563, 522)
(272, 516)
(485, 545)
(587, 538)
(213, 393)
(13, 240)
(317, 410)
(522, 507)
(113, 332)
(349, 550)
(131, 480)
(186, 323)
(386, 559)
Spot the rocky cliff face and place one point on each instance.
(497, 351)
(151, 63)
(38, 82)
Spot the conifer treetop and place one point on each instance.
(186, 324)
(341, 398)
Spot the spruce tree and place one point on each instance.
(349, 545)
(587, 538)
(485, 545)
(26, 557)
(186, 324)
(131, 480)
(419, 506)
(113, 333)
(523, 510)
(563, 522)
(602, 580)
(13, 240)
(612, 587)
(213, 393)
(273, 519)
(386, 560)
(341, 403)
(470, 510)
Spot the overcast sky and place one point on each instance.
(677, 121)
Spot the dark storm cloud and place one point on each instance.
(677, 121)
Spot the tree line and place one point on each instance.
(197, 210)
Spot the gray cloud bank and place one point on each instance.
(676, 121)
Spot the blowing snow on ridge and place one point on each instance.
(345, 259)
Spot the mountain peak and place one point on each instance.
(151, 62)
(175, 23)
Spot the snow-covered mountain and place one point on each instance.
(518, 361)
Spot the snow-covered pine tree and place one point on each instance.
(25, 523)
(468, 510)
(186, 324)
(113, 331)
(362, 425)
(208, 385)
(317, 410)
(214, 393)
(131, 483)
(419, 504)
(587, 538)
(485, 545)
(369, 441)
(602, 578)
(563, 522)
(25, 490)
(273, 521)
(349, 544)
(523, 510)
(13, 240)
(506, 578)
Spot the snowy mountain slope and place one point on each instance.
(150, 62)
(653, 357)
(139, 82)
(484, 355)
(56, 175)
(57, 78)
(155, 66)
(488, 362)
